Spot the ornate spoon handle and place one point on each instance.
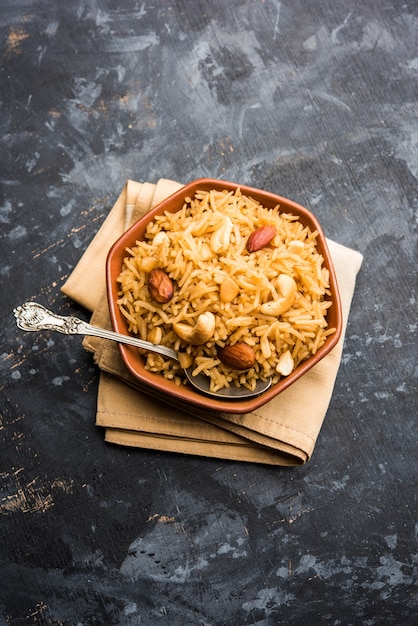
(32, 316)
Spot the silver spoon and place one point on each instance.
(33, 316)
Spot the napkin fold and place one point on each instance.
(282, 432)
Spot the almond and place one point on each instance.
(239, 356)
(160, 286)
(261, 237)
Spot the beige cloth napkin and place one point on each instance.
(282, 432)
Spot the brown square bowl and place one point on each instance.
(168, 391)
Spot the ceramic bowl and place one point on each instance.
(167, 390)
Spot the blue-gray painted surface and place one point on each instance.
(315, 100)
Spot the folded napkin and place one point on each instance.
(282, 432)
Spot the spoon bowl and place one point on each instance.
(32, 316)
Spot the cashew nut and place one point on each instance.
(220, 238)
(296, 246)
(198, 334)
(287, 288)
(285, 364)
(160, 238)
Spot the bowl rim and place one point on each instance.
(155, 384)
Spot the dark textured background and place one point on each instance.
(315, 100)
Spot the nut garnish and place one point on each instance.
(261, 237)
(287, 288)
(155, 335)
(239, 356)
(200, 333)
(160, 286)
(185, 360)
(147, 264)
(160, 238)
(285, 364)
(220, 239)
(229, 289)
